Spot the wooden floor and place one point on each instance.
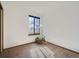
(24, 51)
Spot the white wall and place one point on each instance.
(59, 19)
(16, 23)
(61, 25)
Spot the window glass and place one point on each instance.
(34, 25)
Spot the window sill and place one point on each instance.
(34, 34)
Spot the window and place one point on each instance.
(34, 25)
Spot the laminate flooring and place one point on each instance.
(34, 50)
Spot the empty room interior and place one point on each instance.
(39, 29)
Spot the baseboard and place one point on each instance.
(47, 42)
(63, 47)
(18, 45)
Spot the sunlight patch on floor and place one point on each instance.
(41, 52)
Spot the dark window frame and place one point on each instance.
(35, 17)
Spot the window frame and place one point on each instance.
(35, 17)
